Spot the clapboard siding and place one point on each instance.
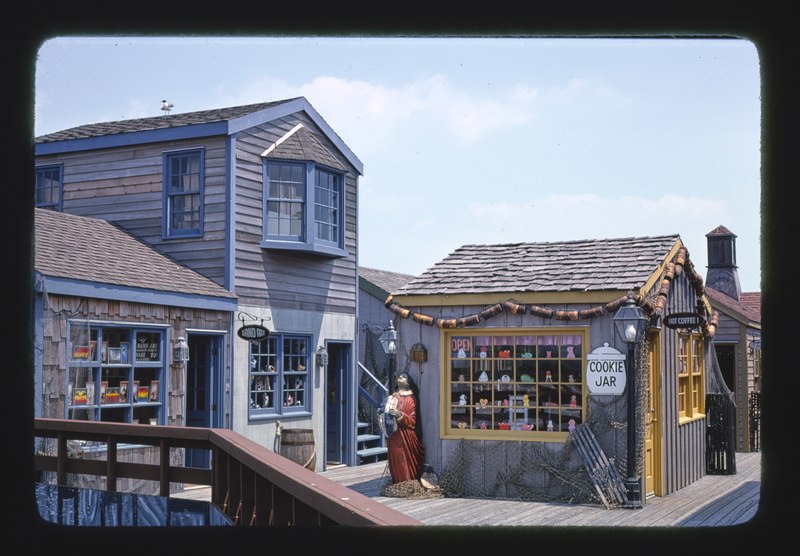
(283, 279)
(683, 446)
(125, 186)
(439, 452)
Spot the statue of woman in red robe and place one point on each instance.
(406, 455)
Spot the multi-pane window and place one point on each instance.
(116, 373)
(691, 373)
(48, 187)
(279, 375)
(326, 206)
(756, 351)
(303, 207)
(286, 201)
(183, 190)
(527, 384)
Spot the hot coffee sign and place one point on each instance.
(605, 371)
(682, 320)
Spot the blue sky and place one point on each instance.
(473, 140)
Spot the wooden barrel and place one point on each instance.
(298, 445)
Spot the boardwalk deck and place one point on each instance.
(713, 500)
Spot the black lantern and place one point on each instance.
(389, 340)
(630, 323)
(389, 343)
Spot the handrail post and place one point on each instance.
(163, 472)
(111, 464)
(61, 462)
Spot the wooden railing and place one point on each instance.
(251, 484)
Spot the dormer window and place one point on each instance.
(303, 207)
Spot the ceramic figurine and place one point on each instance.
(483, 425)
(550, 425)
(548, 376)
(573, 401)
(461, 378)
(526, 427)
(483, 352)
(571, 352)
(483, 377)
(525, 400)
(462, 400)
(571, 378)
(572, 425)
(462, 425)
(505, 402)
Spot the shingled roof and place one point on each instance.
(568, 266)
(386, 280)
(95, 251)
(157, 122)
(749, 305)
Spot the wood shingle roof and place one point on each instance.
(97, 252)
(157, 122)
(568, 266)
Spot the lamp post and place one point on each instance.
(389, 343)
(630, 323)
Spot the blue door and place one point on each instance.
(337, 422)
(201, 396)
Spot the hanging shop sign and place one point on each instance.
(605, 371)
(682, 320)
(252, 332)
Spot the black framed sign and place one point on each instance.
(252, 332)
(682, 320)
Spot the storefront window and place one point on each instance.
(116, 374)
(279, 375)
(691, 373)
(528, 385)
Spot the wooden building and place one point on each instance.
(522, 352)
(738, 338)
(107, 309)
(260, 199)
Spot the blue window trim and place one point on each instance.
(49, 168)
(94, 367)
(277, 382)
(310, 243)
(166, 230)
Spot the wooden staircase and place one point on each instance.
(371, 447)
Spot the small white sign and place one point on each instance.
(605, 371)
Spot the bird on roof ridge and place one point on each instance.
(166, 106)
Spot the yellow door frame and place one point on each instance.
(652, 418)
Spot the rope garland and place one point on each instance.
(652, 309)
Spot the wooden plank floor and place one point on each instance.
(714, 500)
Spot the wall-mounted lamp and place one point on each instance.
(180, 351)
(418, 353)
(389, 340)
(322, 356)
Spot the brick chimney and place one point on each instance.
(722, 274)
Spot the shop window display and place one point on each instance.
(524, 384)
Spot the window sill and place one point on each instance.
(187, 235)
(275, 416)
(299, 246)
(517, 436)
(686, 420)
